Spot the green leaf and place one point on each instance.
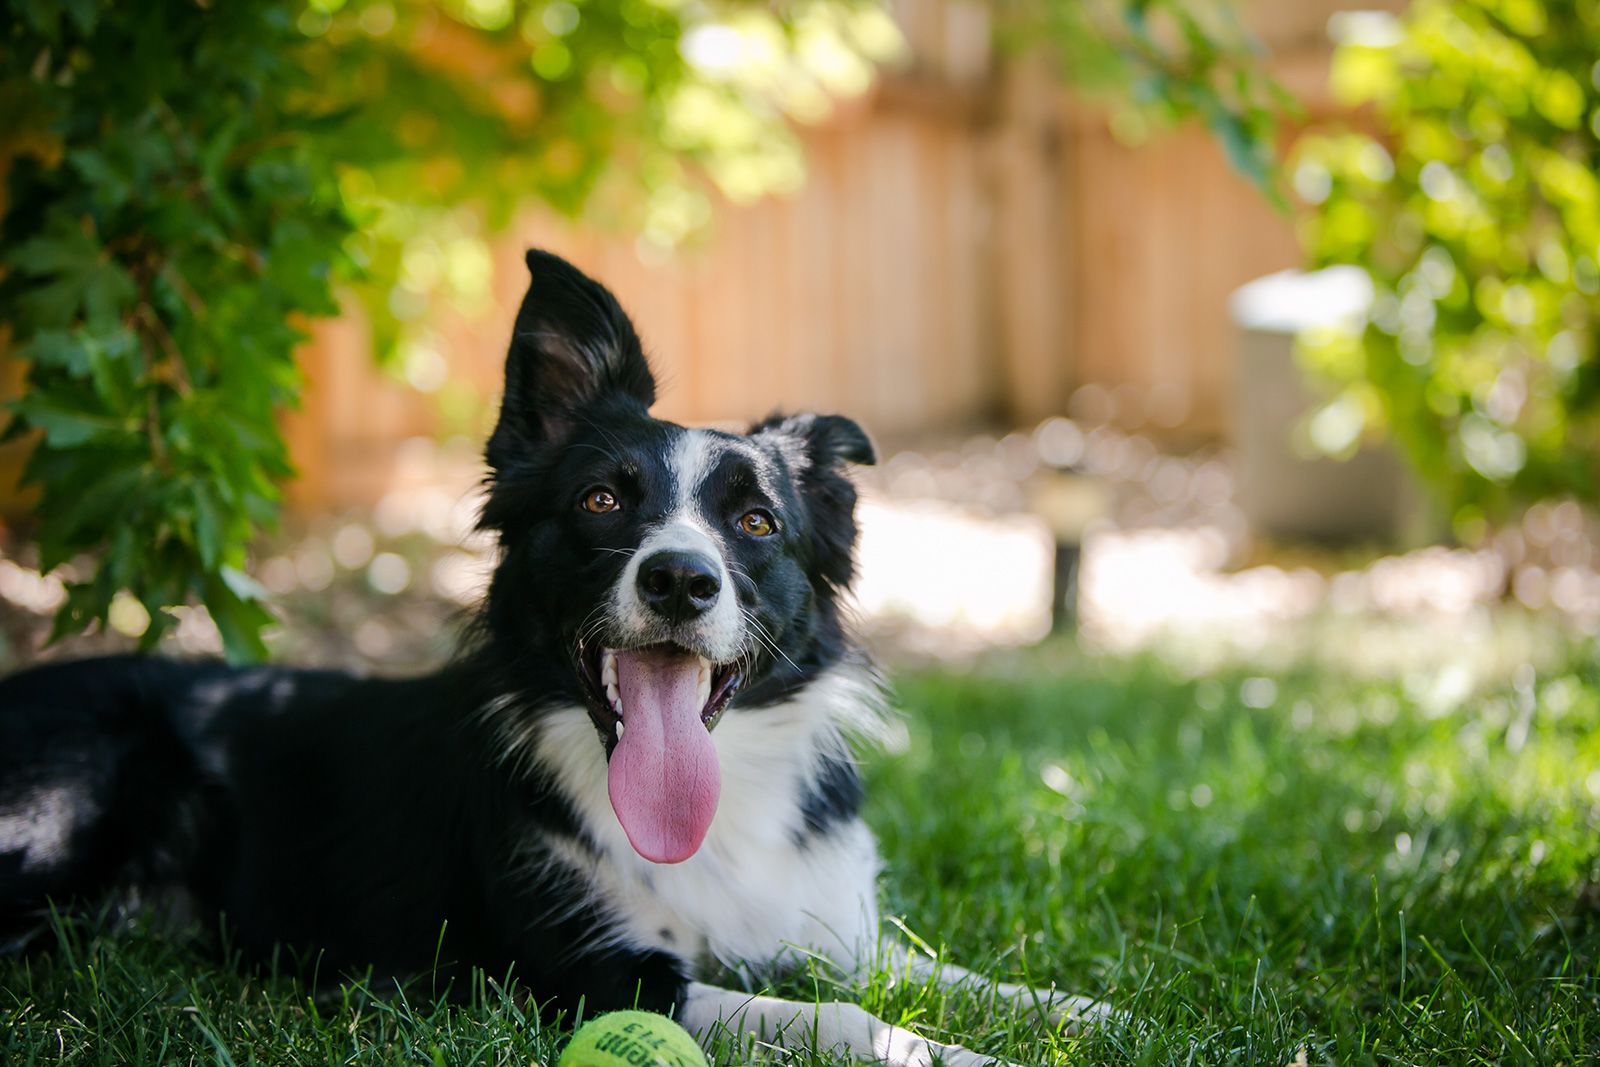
(83, 13)
(110, 358)
(1244, 149)
(66, 250)
(239, 620)
(65, 427)
(57, 348)
(242, 585)
(208, 528)
(111, 188)
(75, 275)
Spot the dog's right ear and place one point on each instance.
(572, 345)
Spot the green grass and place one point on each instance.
(1250, 867)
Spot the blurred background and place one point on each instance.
(1238, 329)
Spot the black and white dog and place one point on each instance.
(638, 773)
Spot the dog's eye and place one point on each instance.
(599, 501)
(757, 523)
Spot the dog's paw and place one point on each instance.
(1069, 1011)
(957, 1056)
(1075, 1014)
(897, 1047)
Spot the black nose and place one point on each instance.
(679, 585)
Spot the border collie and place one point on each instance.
(638, 773)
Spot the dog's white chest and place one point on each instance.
(759, 889)
(748, 906)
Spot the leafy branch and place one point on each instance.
(1476, 212)
(1162, 62)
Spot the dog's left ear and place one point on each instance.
(816, 449)
(809, 442)
(572, 345)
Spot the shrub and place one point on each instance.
(1475, 208)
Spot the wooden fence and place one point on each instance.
(970, 248)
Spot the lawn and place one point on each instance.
(1255, 868)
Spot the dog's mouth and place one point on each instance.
(655, 707)
(715, 683)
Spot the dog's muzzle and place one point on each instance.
(679, 584)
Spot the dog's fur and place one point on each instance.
(462, 819)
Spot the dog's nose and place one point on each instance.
(679, 585)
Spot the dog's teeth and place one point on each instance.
(608, 681)
(704, 683)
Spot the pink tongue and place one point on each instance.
(663, 777)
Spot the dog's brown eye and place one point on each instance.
(600, 501)
(756, 523)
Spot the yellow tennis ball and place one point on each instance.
(632, 1039)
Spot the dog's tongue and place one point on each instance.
(663, 777)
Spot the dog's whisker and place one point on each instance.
(607, 453)
(757, 630)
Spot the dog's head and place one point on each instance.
(662, 573)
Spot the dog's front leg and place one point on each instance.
(829, 1027)
(1059, 1007)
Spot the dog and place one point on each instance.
(637, 774)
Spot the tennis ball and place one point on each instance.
(632, 1039)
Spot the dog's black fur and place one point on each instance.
(361, 822)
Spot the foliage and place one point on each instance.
(1251, 867)
(1164, 61)
(168, 221)
(184, 184)
(1475, 208)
